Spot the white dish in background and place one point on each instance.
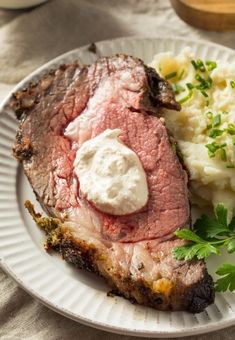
(58, 285)
(19, 4)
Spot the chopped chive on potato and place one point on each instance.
(205, 126)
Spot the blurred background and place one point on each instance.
(31, 37)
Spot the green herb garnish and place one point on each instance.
(198, 247)
(232, 84)
(181, 74)
(203, 83)
(214, 147)
(214, 132)
(186, 98)
(177, 88)
(209, 114)
(231, 129)
(230, 166)
(217, 120)
(170, 75)
(193, 62)
(198, 65)
(211, 65)
(227, 281)
(199, 78)
(209, 236)
(223, 155)
(190, 86)
(204, 93)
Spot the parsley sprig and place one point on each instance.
(227, 281)
(209, 236)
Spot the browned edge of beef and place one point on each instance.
(24, 101)
(196, 297)
(193, 298)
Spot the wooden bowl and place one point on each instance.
(212, 15)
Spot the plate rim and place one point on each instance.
(114, 329)
(199, 329)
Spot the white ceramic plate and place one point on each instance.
(73, 293)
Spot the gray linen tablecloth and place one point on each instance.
(27, 40)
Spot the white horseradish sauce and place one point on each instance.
(111, 175)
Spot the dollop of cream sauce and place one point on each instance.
(111, 175)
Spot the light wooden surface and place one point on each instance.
(212, 15)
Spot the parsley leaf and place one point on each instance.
(189, 235)
(199, 250)
(208, 227)
(232, 224)
(183, 253)
(227, 281)
(208, 236)
(206, 250)
(221, 214)
(231, 246)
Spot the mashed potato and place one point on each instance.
(205, 126)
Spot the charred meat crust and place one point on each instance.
(201, 295)
(195, 298)
(22, 149)
(161, 93)
(23, 101)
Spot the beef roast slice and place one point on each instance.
(110, 94)
(132, 252)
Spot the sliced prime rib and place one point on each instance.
(133, 252)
